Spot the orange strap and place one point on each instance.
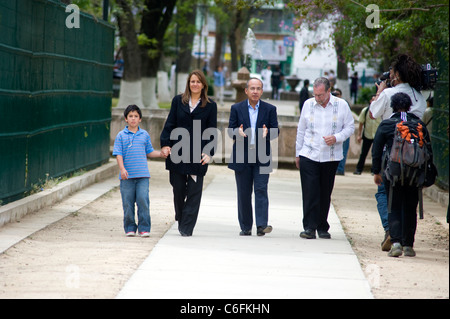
(406, 135)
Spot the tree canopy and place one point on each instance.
(378, 30)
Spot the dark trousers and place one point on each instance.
(402, 216)
(317, 179)
(366, 144)
(246, 180)
(187, 195)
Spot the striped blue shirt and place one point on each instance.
(134, 147)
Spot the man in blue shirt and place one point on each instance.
(253, 123)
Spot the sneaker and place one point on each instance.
(396, 250)
(144, 234)
(357, 173)
(130, 234)
(386, 243)
(409, 251)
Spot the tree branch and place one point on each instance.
(427, 8)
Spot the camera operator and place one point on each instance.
(405, 77)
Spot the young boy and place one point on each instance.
(132, 146)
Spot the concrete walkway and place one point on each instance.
(218, 263)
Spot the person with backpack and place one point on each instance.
(403, 190)
(405, 77)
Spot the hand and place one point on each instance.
(381, 86)
(241, 131)
(165, 151)
(124, 174)
(359, 139)
(205, 159)
(329, 140)
(377, 179)
(297, 162)
(265, 131)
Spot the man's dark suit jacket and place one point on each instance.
(181, 117)
(267, 115)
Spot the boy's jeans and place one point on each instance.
(135, 190)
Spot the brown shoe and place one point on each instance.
(386, 243)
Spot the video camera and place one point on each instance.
(428, 77)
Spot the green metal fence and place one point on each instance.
(55, 94)
(439, 135)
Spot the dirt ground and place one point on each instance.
(86, 254)
(425, 276)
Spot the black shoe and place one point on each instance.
(245, 233)
(324, 234)
(308, 234)
(357, 173)
(261, 231)
(184, 234)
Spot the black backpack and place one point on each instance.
(409, 161)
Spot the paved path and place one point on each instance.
(218, 263)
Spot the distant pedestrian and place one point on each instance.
(132, 146)
(304, 94)
(332, 78)
(266, 76)
(219, 84)
(276, 81)
(325, 123)
(354, 87)
(366, 133)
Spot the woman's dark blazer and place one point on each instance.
(181, 117)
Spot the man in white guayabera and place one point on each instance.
(325, 123)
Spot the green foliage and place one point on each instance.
(245, 4)
(414, 27)
(365, 94)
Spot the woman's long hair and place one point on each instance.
(408, 69)
(203, 95)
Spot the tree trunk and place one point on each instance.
(186, 20)
(156, 18)
(186, 40)
(130, 87)
(342, 73)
